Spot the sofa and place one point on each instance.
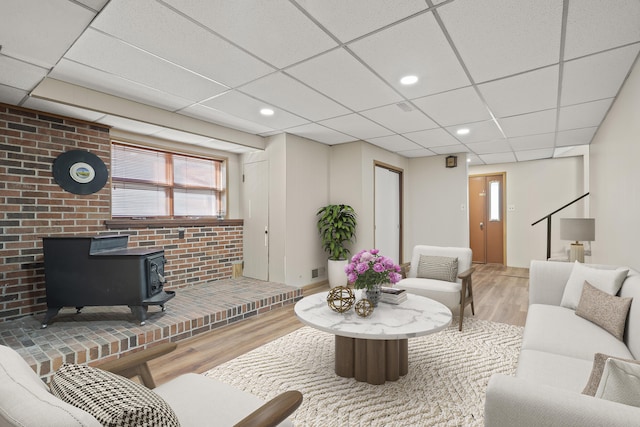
(442, 274)
(557, 363)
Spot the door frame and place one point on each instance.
(504, 208)
(400, 172)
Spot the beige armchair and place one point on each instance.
(195, 399)
(434, 274)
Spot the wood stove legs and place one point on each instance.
(51, 313)
(140, 312)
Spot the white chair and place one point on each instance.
(436, 280)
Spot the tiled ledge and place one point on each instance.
(104, 333)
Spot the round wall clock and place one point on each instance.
(80, 172)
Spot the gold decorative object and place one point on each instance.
(341, 299)
(364, 308)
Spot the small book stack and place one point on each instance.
(393, 295)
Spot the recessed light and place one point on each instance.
(266, 112)
(409, 80)
(462, 131)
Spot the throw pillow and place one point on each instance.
(438, 268)
(110, 398)
(609, 281)
(607, 311)
(599, 360)
(620, 382)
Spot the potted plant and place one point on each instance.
(369, 270)
(337, 226)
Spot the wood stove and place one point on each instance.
(101, 270)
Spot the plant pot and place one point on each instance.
(337, 276)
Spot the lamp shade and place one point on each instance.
(578, 229)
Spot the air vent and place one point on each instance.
(404, 107)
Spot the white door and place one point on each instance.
(256, 220)
(387, 212)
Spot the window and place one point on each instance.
(150, 183)
(494, 195)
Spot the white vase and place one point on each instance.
(337, 275)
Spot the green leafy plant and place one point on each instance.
(337, 226)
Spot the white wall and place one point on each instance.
(535, 189)
(276, 153)
(615, 179)
(434, 199)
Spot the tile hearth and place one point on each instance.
(104, 333)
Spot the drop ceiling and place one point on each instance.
(527, 78)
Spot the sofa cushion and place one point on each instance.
(607, 311)
(438, 268)
(620, 382)
(608, 281)
(571, 335)
(112, 399)
(447, 293)
(556, 370)
(599, 360)
(26, 400)
(199, 409)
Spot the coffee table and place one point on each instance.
(374, 349)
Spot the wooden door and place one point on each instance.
(487, 218)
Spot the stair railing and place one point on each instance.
(548, 218)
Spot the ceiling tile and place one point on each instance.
(62, 109)
(285, 92)
(596, 25)
(341, 77)
(478, 132)
(414, 47)
(499, 146)
(20, 75)
(112, 56)
(432, 138)
(575, 137)
(583, 115)
(454, 107)
(597, 76)
(543, 153)
(394, 143)
(450, 149)
(320, 133)
(525, 93)
(399, 120)
(10, 95)
(161, 31)
(531, 142)
(497, 38)
(201, 112)
(491, 159)
(474, 160)
(41, 32)
(529, 124)
(423, 152)
(356, 126)
(275, 30)
(92, 78)
(247, 108)
(354, 18)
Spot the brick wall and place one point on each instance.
(32, 206)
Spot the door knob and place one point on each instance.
(481, 225)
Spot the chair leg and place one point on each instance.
(473, 311)
(463, 300)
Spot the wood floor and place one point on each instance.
(500, 295)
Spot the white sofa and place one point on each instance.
(556, 359)
(456, 295)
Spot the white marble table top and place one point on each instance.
(415, 317)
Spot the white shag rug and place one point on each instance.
(448, 374)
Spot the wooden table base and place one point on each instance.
(373, 361)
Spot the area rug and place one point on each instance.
(448, 375)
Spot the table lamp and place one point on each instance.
(577, 229)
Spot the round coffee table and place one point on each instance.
(375, 348)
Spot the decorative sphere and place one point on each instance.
(364, 308)
(340, 299)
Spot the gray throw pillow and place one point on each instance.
(607, 311)
(111, 399)
(438, 268)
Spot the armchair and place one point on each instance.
(196, 400)
(438, 278)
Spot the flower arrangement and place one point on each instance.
(367, 268)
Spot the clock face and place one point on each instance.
(80, 172)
